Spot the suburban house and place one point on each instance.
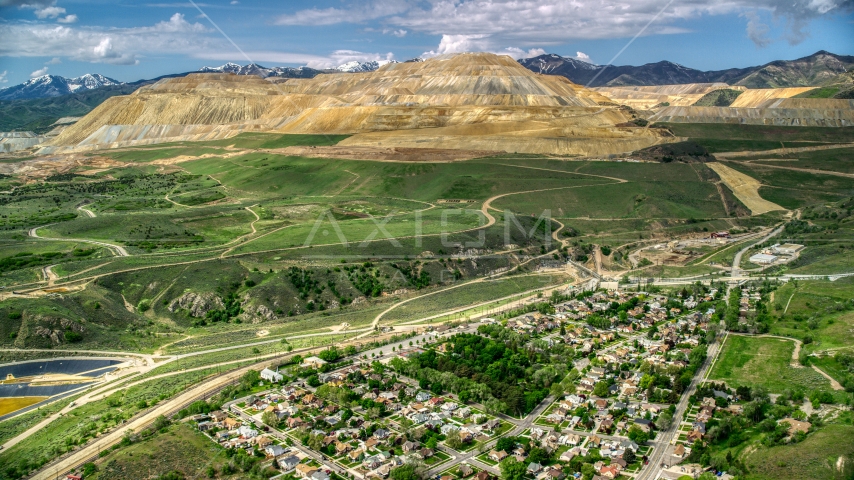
(312, 362)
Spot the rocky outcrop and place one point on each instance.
(197, 304)
(49, 328)
(257, 314)
(54, 335)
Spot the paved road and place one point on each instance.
(736, 261)
(667, 437)
(139, 423)
(520, 426)
(167, 407)
(284, 438)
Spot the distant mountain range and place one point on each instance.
(294, 72)
(55, 86)
(818, 69)
(37, 103)
(255, 69)
(47, 86)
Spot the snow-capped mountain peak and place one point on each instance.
(227, 68)
(90, 81)
(54, 86)
(357, 67)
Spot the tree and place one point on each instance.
(538, 455)
(315, 442)
(330, 355)
(454, 441)
(404, 472)
(506, 444)
(664, 420)
(89, 469)
(512, 469)
(637, 435)
(587, 471)
(270, 419)
(601, 389)
(630, 456)
(313, 381)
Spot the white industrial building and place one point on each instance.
(763, 259)
(787, 248)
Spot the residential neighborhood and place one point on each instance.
(611, 370)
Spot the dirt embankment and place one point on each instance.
(745, 188)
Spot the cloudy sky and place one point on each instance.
(135, 40)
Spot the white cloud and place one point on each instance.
(3, 78)
(399, 33)
(39, 72)
(234, 2)
(119, 46)
(340, 57)
(582, 56)
(459, 44)
(518, 53)
(27, 3)
(757, 31)
(54, 61)
(49, 12)
(369, 10)
(68, 19)
(492, 24)
(260, 56)
(479, 43)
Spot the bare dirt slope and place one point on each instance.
(745, 188)
(816, 115)
(645, 98)
(755, 97)
(474, 94)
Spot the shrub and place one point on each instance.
(73, 337)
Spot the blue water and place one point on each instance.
(66, 366)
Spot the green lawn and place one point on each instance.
(755, 361)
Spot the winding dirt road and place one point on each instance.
(117, 249)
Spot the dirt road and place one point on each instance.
(166, 408)
(794, 169)
(85, 210)
(782, 151)
(117, 249)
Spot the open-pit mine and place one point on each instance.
(473, 101)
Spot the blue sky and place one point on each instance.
(135, 40)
